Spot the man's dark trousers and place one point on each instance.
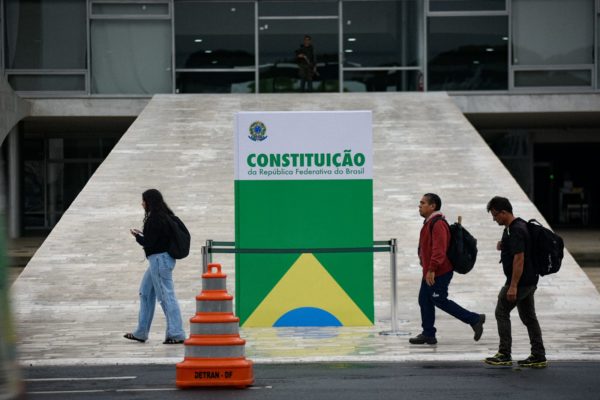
(526, 306)
(437, 296)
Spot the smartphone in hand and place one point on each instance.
(136, 232)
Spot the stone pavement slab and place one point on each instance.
(79, 293)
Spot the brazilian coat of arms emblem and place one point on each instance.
(258, 131)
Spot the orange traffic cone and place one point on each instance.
(214, 352)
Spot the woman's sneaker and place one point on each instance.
(534, 362)
(499, 359)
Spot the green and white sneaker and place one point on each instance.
(499, 359)
(534, 362)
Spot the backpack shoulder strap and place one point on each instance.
(434, 220)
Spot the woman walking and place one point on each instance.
(157, 283)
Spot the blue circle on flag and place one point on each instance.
(307, 316)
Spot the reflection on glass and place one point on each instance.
(553, 78)
(279, 42)
(381, 81)
(215, 82)
(467, 5)
(297, 8)
(214, 35)
(54, 172)
(37, 36)
(52, 83)
(381, 33)
(33, 186)
(556, 32)
(131, 56)
(468, 53)
(131, 9)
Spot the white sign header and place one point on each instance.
(303, 145)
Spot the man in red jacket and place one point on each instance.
(437, 274)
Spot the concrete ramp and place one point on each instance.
(79, 294)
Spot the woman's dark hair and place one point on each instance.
(155, 204)
(433, 198)
(498, 203)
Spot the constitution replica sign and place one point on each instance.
(304, 180)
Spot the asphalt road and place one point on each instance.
(415, 380)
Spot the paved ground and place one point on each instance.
(78, 295)
(350, 381)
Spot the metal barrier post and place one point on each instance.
(209, 245)
(394, 274)
(204, 251)
(394, 290)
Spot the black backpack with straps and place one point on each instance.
(462, 250)
(179, 247)
(547, 248)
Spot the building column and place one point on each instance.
(14, 188)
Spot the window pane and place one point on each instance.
(131, 57)
(131, 9)
(37, 36)
(54, 83)
(215, 82)
(467, 5)
(381, 81)
(33, 149)
(33, 186)
(553, 32)
(553, 78)
(297, 8)
(279, 42)
(468, 53)
(381, 33)
(88, 148)
(214, 35)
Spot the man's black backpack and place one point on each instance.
(180, 238)
(462, 251)
(547, 248)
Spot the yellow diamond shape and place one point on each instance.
(307, 284)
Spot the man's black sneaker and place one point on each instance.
(422, 339)
(534, 362)
(478, 327)
(499, 359)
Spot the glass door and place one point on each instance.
(298, 46)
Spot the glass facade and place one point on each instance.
(219, 46)
(467, 5)
(551, 35)
(382, 34)
(55, 169)
(279, 39)
(130, 56)
(37, 36)
(468, 53)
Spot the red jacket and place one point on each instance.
(433, 245)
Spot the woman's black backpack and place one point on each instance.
(180, 238)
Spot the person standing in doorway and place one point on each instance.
(437, 274)
(519, 288)
(305, 57)
(157, 283)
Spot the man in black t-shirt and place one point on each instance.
(519, 288)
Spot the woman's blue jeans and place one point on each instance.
(157, 284)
